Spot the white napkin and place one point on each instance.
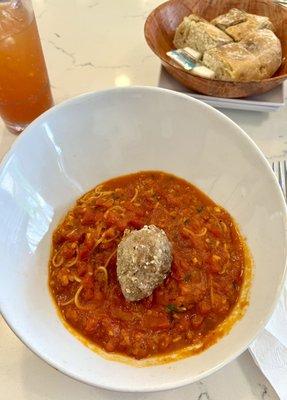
(269, 350)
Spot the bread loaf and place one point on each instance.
(232, 62)
(256, 57)
(238, 23)
(199, 34)
(266, 47)
(233, 17)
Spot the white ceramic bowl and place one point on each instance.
(86, 140)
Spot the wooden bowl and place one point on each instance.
(161, 24)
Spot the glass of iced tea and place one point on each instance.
(24, 84)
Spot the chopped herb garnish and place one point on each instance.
(171, 308)
(199, 209)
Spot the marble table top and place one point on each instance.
(93, 45)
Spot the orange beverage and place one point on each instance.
(24, 84)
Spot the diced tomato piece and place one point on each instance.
(88, 281)
(185, 289)
(59, 237)
(71, 315)
(204, 307)
(173, 201)
(114, 220)
(215, 231)
(154, 321)
(164, 341)
(78, 211)
(180, 268)
(68, 251)
(74, 236)
(183, 324)
(88, 244)
(91, 325)
(104, 203)
(98, 295)
(88, 218)
(111, 219)
(135, 223)
(122, 225)
(88, 293)
(110, 345)
(84, 251)
(107, 245)
(196, 320)
(214, 267)
(220, 304)
(82, 268)
(121, 315)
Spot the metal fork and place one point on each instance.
(280, 170)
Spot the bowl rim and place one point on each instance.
(179, 382)
(179, 68)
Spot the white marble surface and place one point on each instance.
(92, 45)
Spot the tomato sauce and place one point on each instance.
(200, 292)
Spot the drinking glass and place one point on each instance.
(24, 84)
